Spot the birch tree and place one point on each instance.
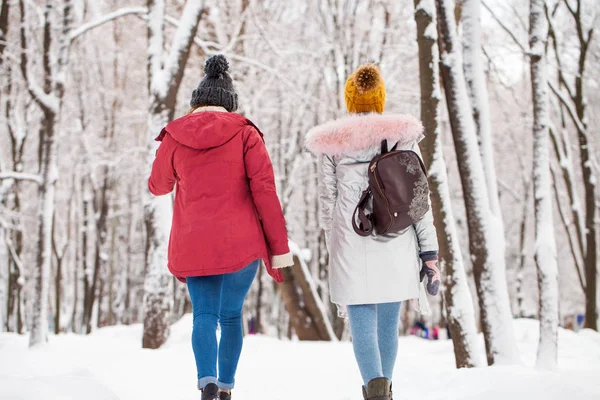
(488, 262)
(165, 72)
(545, 245)
(478, 94)
(49, 99)
(571, 96)
(457, 296)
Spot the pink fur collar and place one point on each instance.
(360, 132)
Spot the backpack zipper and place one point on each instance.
(373, 168)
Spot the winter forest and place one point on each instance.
(508, 94)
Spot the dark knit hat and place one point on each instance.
(216, 89)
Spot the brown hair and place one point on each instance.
(191, 111)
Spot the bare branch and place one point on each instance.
(506, 28)
(552, 34)
(571, 9)
(510, 190)
(205, 47)
(518, 17)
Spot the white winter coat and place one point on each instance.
(366, 270)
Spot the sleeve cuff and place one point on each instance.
(429, 256)
(282, 261)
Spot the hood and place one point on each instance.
(359, 132)
(205, 130)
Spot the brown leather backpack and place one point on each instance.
(398, 186)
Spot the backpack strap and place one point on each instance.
(366, 225)
(384, 147)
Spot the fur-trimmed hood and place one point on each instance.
(356, 133)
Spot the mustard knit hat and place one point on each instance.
(365, 90)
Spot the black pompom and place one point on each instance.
(216, 66)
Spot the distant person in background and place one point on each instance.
(370, 276)
(226, 218)
(435, 335)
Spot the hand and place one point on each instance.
(431, 270)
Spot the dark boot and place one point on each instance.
(224, 396)
(378, 389)
(210, 392)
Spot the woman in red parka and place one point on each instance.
(226, 218)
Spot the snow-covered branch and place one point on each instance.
(44, 99)
(557, 54)
(190, 17)
(81, 30)
(564, 156)
(572, 112)
(21, 176)
(563, 217)
(156, 40)
(13, 253)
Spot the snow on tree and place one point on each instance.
(545, 244)
(572, 98)
(49, 99)
(478, 93)
(165, 74)
(308, 314)
(488, 260)
(457, 295)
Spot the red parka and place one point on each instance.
(226, 211)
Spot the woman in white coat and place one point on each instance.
(370, 276)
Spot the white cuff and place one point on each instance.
(282, 261)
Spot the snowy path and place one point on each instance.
(109, 365)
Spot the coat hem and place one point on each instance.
(355, 302)
(181, 275)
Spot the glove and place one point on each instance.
(282, 261)
(430, 269)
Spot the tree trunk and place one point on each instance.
(589, 178)
(88, 281)
(522, 255)
(307, 312)
(57, 295)
(488, 261)
(478, 93)
(458, 300)
(575, 103)
(101, 208)
(545, 245)
(47, 192)
(259, 302)
(164, 79)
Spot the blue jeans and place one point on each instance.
(219, 299)
(374, 329)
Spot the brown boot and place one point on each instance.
(225, 395)
(378, 389)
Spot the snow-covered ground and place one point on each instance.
(110, 365)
